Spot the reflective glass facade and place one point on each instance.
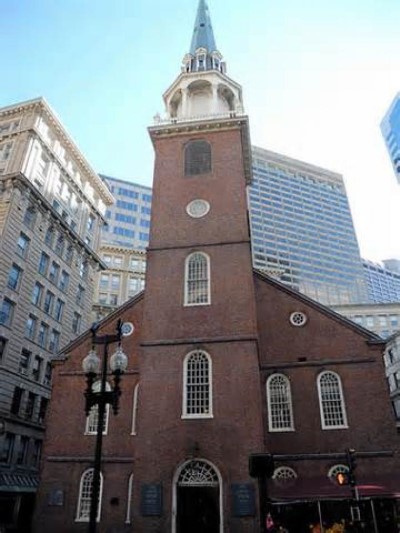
(390, 127)
(302, 230)
(128, 220)
(383, 284)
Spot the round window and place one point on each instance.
(298, 319)
(198, 208)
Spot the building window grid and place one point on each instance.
(197, 385)
(280, 411)
(197, 282)
(93, 418)
(332, 407)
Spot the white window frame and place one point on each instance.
(94, 413)
(135, 409)
(79, 517)
(271, 426)
(324, 425)
(128, 517)
(188, 303)
(185, 414)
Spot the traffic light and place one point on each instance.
(352, 464)
(342, 478)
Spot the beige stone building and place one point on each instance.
(124, 277)
(52, 207)
(383, 319)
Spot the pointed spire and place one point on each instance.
(203, 35)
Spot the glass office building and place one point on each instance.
(390, 127)
(302, 230)
(383, 283)
(128, 220)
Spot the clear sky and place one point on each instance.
(317, 77)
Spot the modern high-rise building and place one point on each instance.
(390, 128)
(302, 230)
(128, 219)
(383, 283)
(52, 206)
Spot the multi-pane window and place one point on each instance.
(7, 312)
(48, 302)
(115, 282)
(80, 295)
(16, 400)
(42, 335)
(44, 402)
(37, 450)
(69, 254)
(76, 322)
(22, 451)
(8, 448)
(14, 277)
(29, 216)
(135, 409)
(85, 496)
(84, 269)
(197, 279)
(104, 280)
(54, 341)
(49, 237)
(54, 272)
(22, 245)
(59, 248)
(43, 264)
(47, 374)
(93, 418)
(24, 361)
(5, 151)
(331, 401)
(30, 327)
(280, 412)
(3, 346)
(30, 405)
(59, 308)
(197, 383)
(37, 294)
(36, 367)
(64, 281)
(197, 158)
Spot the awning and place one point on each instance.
(323, 488)
(18, 482)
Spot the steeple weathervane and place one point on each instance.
(203, 35)
(203, 53)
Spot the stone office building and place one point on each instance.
(52, 206)
(224, 361)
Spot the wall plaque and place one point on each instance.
(151, 500)
(243, 498)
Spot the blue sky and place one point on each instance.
(317, 78)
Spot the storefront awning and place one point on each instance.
(323, 488)
(18, 482)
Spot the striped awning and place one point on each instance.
(18, 482)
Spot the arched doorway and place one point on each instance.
(197, 498)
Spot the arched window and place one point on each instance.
(197, 279)
(134, 409)
(331, 401)
(197, 385)
(197, 158)
(284, 475)
(337, 469)
(85, 493)
(92, 419)
(128, 518)
(279, 401)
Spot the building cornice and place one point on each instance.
(41, 104)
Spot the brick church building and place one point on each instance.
(224, 362)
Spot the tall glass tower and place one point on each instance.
(302, 230)
(390, 127)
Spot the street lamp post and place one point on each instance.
(91, 365)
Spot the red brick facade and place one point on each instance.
(248, 335)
